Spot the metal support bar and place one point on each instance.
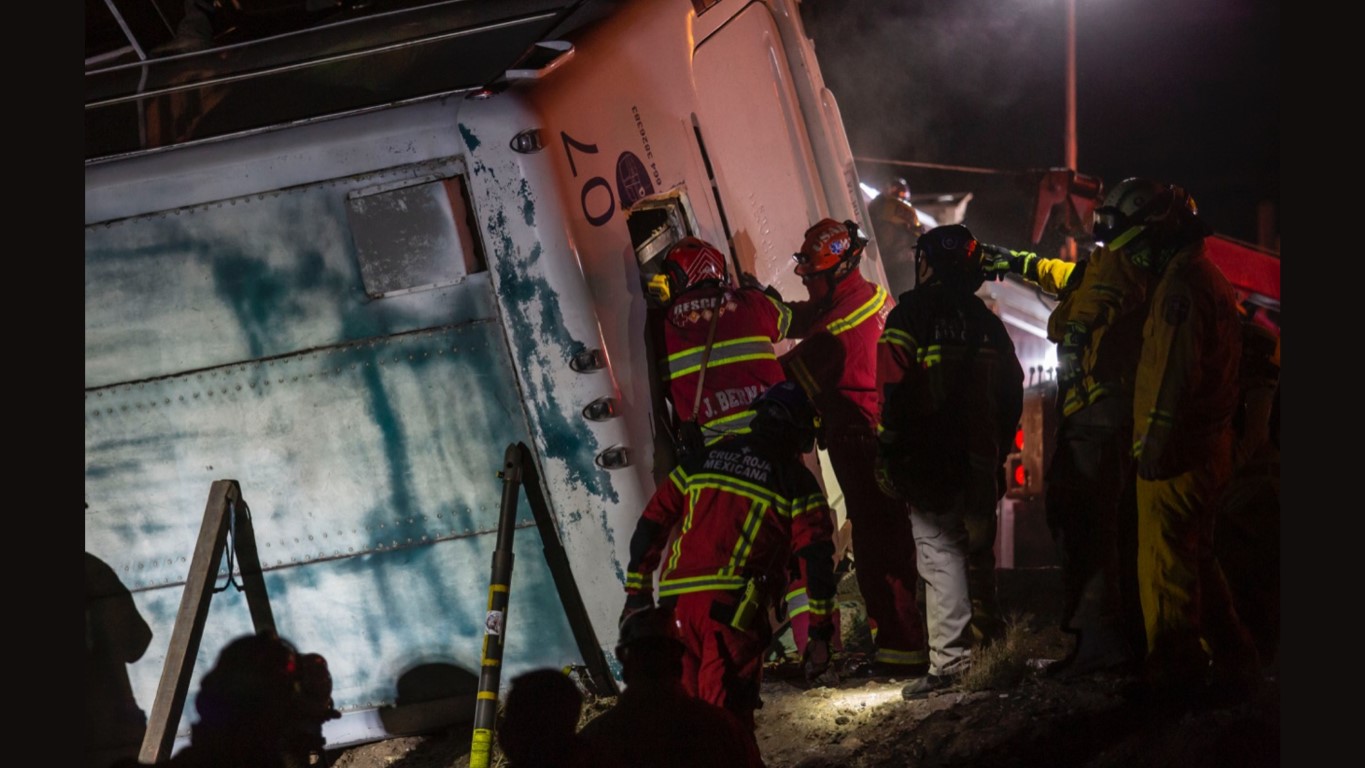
(519, 470)
(224, 511)
(565, 584)
(494, 624)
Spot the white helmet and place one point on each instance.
(1137, 205)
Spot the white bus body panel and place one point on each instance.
(231, 333)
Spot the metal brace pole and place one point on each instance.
(519, 470)
(495, 621)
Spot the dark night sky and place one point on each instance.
(1183, 91)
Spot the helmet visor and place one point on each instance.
(1109, 223)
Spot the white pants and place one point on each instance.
(941, 555)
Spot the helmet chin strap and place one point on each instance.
(924, 272)
(1142, 251)
(1151, 252)
(1127, 237)
(1152, 259)
(826, 280)
(820, 285)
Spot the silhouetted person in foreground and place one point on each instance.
(655, 723)
(261, 706)
(539, 720)
(115, 636)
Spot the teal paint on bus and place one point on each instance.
(533, 308)
(528, 202)
(469, 138)
(235, 340)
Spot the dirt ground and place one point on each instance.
(1024, 719)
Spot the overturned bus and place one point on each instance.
(348, 264)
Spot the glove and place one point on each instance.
(998, 261)
(749, 280)
(636, 602)
(882, 471)
(815, 661)
(1074, 342)
(1068, 365)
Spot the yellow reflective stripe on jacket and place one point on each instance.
(801, 373)
(719, 581)
(803, 505)
(799, 601)
(899, 338)
(722, 353)
(1156, 416)
(1116, 291)
(751, 491)
(821, 607)
(635, 580)
(1081, 396)
(679, 479)
(739, 556)
(762, 498)
(784, 317)
(682, 531)
(858, 316)
(725, 426)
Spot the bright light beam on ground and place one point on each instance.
(862, 698)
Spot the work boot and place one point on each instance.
(1235, 676)
(861, 665)
(1177, 672)
(923, 687)
(1098, 648)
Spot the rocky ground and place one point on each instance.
(1015, 716)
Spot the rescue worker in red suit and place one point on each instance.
(836, 363)
(745, 505)
(1184, 401)
(742, 324)
(655, 723)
